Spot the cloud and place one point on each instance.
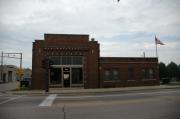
(126, 26)
(137, 43)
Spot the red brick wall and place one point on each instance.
(122, 65)
(70, 45)
(38, 76)
(59, 39)
(93, 65)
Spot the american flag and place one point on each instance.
(157, 41)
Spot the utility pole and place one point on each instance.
(21, 65)
(20, 60)
(2, 66)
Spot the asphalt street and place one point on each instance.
(149, 104)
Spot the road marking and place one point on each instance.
(114, 95)
(48, 101)
(11, 99)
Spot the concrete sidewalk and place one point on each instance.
(8, 86)
(78, 91)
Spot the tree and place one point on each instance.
(162, 70)
(173, 70)
(179, 72)
(163, 73)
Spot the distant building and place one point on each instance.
(77, 63)
(8, 74)
(27, 73)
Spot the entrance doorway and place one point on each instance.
(66, 79)
(9, 76)
(66, 76)
(4, 77)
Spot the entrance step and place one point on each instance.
(60, 87)
(55, 86)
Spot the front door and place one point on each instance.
(66, 79)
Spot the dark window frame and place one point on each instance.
(113, 74)
(77, 79)
(131, 73)
(147, 74)
(67, 60)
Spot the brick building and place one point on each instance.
(77, 63)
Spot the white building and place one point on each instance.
(27, 73)
(8, 73)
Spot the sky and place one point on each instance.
(124, 29)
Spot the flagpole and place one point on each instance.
(156, 51)
(156, 47)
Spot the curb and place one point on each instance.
(87, 92)
(104, 92)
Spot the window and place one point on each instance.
(77, 60)
(56, 60)
(112, 74)
(67, 60)
(148, 73)
(55, 76)
(115, 75)
(107, 75)
(130, 74)
(151, 74)
(77, 76)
